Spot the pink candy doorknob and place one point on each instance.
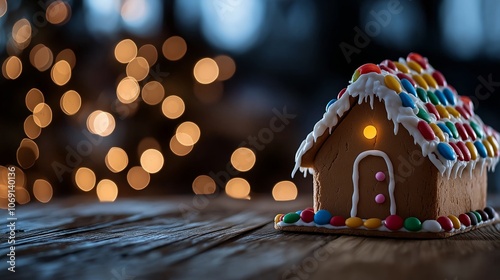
(380, 176)
(380, 198)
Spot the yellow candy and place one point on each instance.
(455, 221)
(453, 111)
(430, 80)
(442, 112)
(472, 150)
(489, 148)
(437, 131)
(420, 81)
(415, 66)
(401, 67)
(392, 83)
(494, 143)
(354, 222)
(372, 223)
(277, 218)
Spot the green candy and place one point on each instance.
(412, 224)
(476, 129)
(355, 76)
(423, 115)
(453, 129)
(291, 218)
(432, 96)
(422, 95)
(478, 216)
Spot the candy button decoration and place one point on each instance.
(423, 115)
(481, 150)
(472, 217)
(380, 176)
(440, 95)
(337, 221)
(431, 226)
(342, 91)
(401, 67)
(278, 218)
(449, 96)
(442, 112)
(472, 149)
(418, 59)
(439, 133)
(307, 216)
(402, 76)
(489, 148)
(453, 129)
(445, 129)
(484, 216)
(494, 143)
(291, 218)
(368, 68)
(433, 110)
(387, 69)
(445, 223)
(461, 131)
(372, 223)
(412, 224)
(420, 82)
(408, 87)
(354, 222)
(392, 83)
(476, 129)
(422, 95)
(462, 112)
(394, 222)
(490, 212)
(430, 80)
(457, 151)
(455, 221)
(322, 217)
(464, 219)
(433, 98)
(446, 151)
(453, 111)
(406, 100)
(426, 130)
(479, 219)
(355, 76)
(330, 103)
(389, 64)
(440, 80)
(415, 66)
(470, 131)
(465, 151)
(379, 198)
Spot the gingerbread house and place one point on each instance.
(397, 153)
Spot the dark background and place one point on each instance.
(288, 53)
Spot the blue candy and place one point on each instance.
(330, 103)
(441, 97)
(406, 100)
(445, 129)
(408, 87)
(449, 96)
(322, 217)
(481, 149)
(446, 151)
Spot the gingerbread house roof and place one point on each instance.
(419, 98)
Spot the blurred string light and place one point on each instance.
(206, 71)
(204, 184)
(70, 102)
(41, 57)
(188, 133)
(58, 12)
(21, 33)
(42, 190)
(149, 52)
(152, 160)
(173, 107)
(68, 55)
(33, 98)
(174, 48)
(31, 129)
(179, 149)
(85, 179)
(128, 90)
(107, 190)
(125, 51)
(3, 7)
(152, 93)
(27, 153)
(243, 159)
(238, 188)
(101, 123)
(138, 178)
(12, 68)
(138, 68)
(284, 191)
(61, 73)
(102, 16)
(116, 159)
(227, 67)
(42, 115)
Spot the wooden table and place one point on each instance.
(221, 238)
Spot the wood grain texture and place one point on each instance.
(220, 238)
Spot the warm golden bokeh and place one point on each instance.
(125, 51)
(127, 90)
(41, 57)
(3, 7)
(21, 32)
(42, 190)
(26, 157)
(177, 148)
(22, 196)
(146, 144)
(238, 188)
(227, 67)
(284, 191)
(152, 160)
(107, 191)
(243, 159)
(31, 129)
(30, 144)
(68, 55)
(173, 107)
(19, 175)
(116, 159)
(174, 48)
(58, 12)
(149, 52)
(188, 133)
(61, 73)
(12, 68)
(42, 115)
(210, 93)
(138, 68)
(33, 98)
(204, 184)
(70, 102)
(153, 93)
(85, 179)
(138, 178)
(101, 123)
(206, 71)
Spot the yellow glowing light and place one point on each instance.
(127, 90)
(21, 32)
(42, 190)
(138, 178)
(188, 133)
(101, 123)
(179, 149)
(149, 52)
(12, 67)
(238, 188)
(107, 191)
(70, 102)
(173, 107)
(33, 98)
(41, 57)
(146, 144)
(284, 191)
(116, 159)
(22, 196)
(210, 93)
(42, 115)
(85, 179)
(61, 72)
(152, 161)
(125, 51)
(370, 132)
(67, 55)
(138, 68)
(3, 7)
(174, 48)
(243, 159)
(204, 184)
(227, 67)
(153, 93)
(206, 71)
(31, 129)
(58, 12)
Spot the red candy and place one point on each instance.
(432, 110)
(368, 68)
(461, 131)
(342, 91)
(385, 68)
(439, 78)
(462, 112)
(418, 59)
(389, 64)
(457, 151)
(445, 223)
(394, 222)
(467, 104)
(464, 219)
(337, 221)
(465, 151)
(470, 131)
(310, 209)
(307, 216)
(426, 130)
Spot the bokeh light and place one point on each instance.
(174, 48)
(31, 129)
(243, 159)
(42, 115)
(33, 98)
(107, 190)
(127, 90)
(153, 93)
(68, 55)
(152, 160)
(146, 144)
(149, 52)
(22, 196)
(61, 73)
(125, 51)
(70, 102)
(206, 71)
(116, 159)
(370, 132)
(173, 107)
(101, 123)
(58, 12)
(41, 57)
(188, 133)
(138, 68)
(238, 188)
(12, 68)
(177, 148)
(204, 184)
(42, 190)
(284, 191)
(27, 153)
(3, 7)
(85, 179)
(21, 33)
(227, 67)
(138, 178)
